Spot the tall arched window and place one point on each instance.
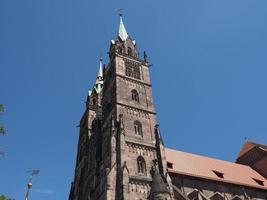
(135, 96)
(138, 128)
(129, 50)
(141, 165)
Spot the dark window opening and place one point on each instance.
(169, 165)
(129, 51)
(94, 102)
(141, 165)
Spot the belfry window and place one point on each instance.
(141, 165)
(132, 69)
(135, 96)
(138, 128)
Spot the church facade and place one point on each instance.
(121, 155)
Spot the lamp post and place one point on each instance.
(29, 185)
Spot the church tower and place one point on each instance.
(120, 150)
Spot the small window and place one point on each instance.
(141, 165)
(260, 182)
(219, 174)
(135, 96)
(138, 128)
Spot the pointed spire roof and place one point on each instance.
(158, 185)
(122, 31)
(100, 72)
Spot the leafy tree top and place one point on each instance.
(3, 197)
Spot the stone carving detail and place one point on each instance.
(137, 186)
(140, 150)
(136, 112)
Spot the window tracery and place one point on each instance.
(141, 165)
(132, 69)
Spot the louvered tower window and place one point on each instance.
(132, 69)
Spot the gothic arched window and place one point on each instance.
(135, 96)
(141, 165)
(94, 102)
(129, 50)
(138, 128)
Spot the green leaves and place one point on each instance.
(2, 110)
(3, 197)
(2, 131)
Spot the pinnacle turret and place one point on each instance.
(99, 80)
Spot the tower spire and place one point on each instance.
(122, 31)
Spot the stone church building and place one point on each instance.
(121, 154)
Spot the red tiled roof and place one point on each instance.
(205, 167)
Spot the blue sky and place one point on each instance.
(209, 78)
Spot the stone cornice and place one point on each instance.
(136, 108)
(133, 80)
(140, 178)
(143, 144)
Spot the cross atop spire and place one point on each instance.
(122, 31)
